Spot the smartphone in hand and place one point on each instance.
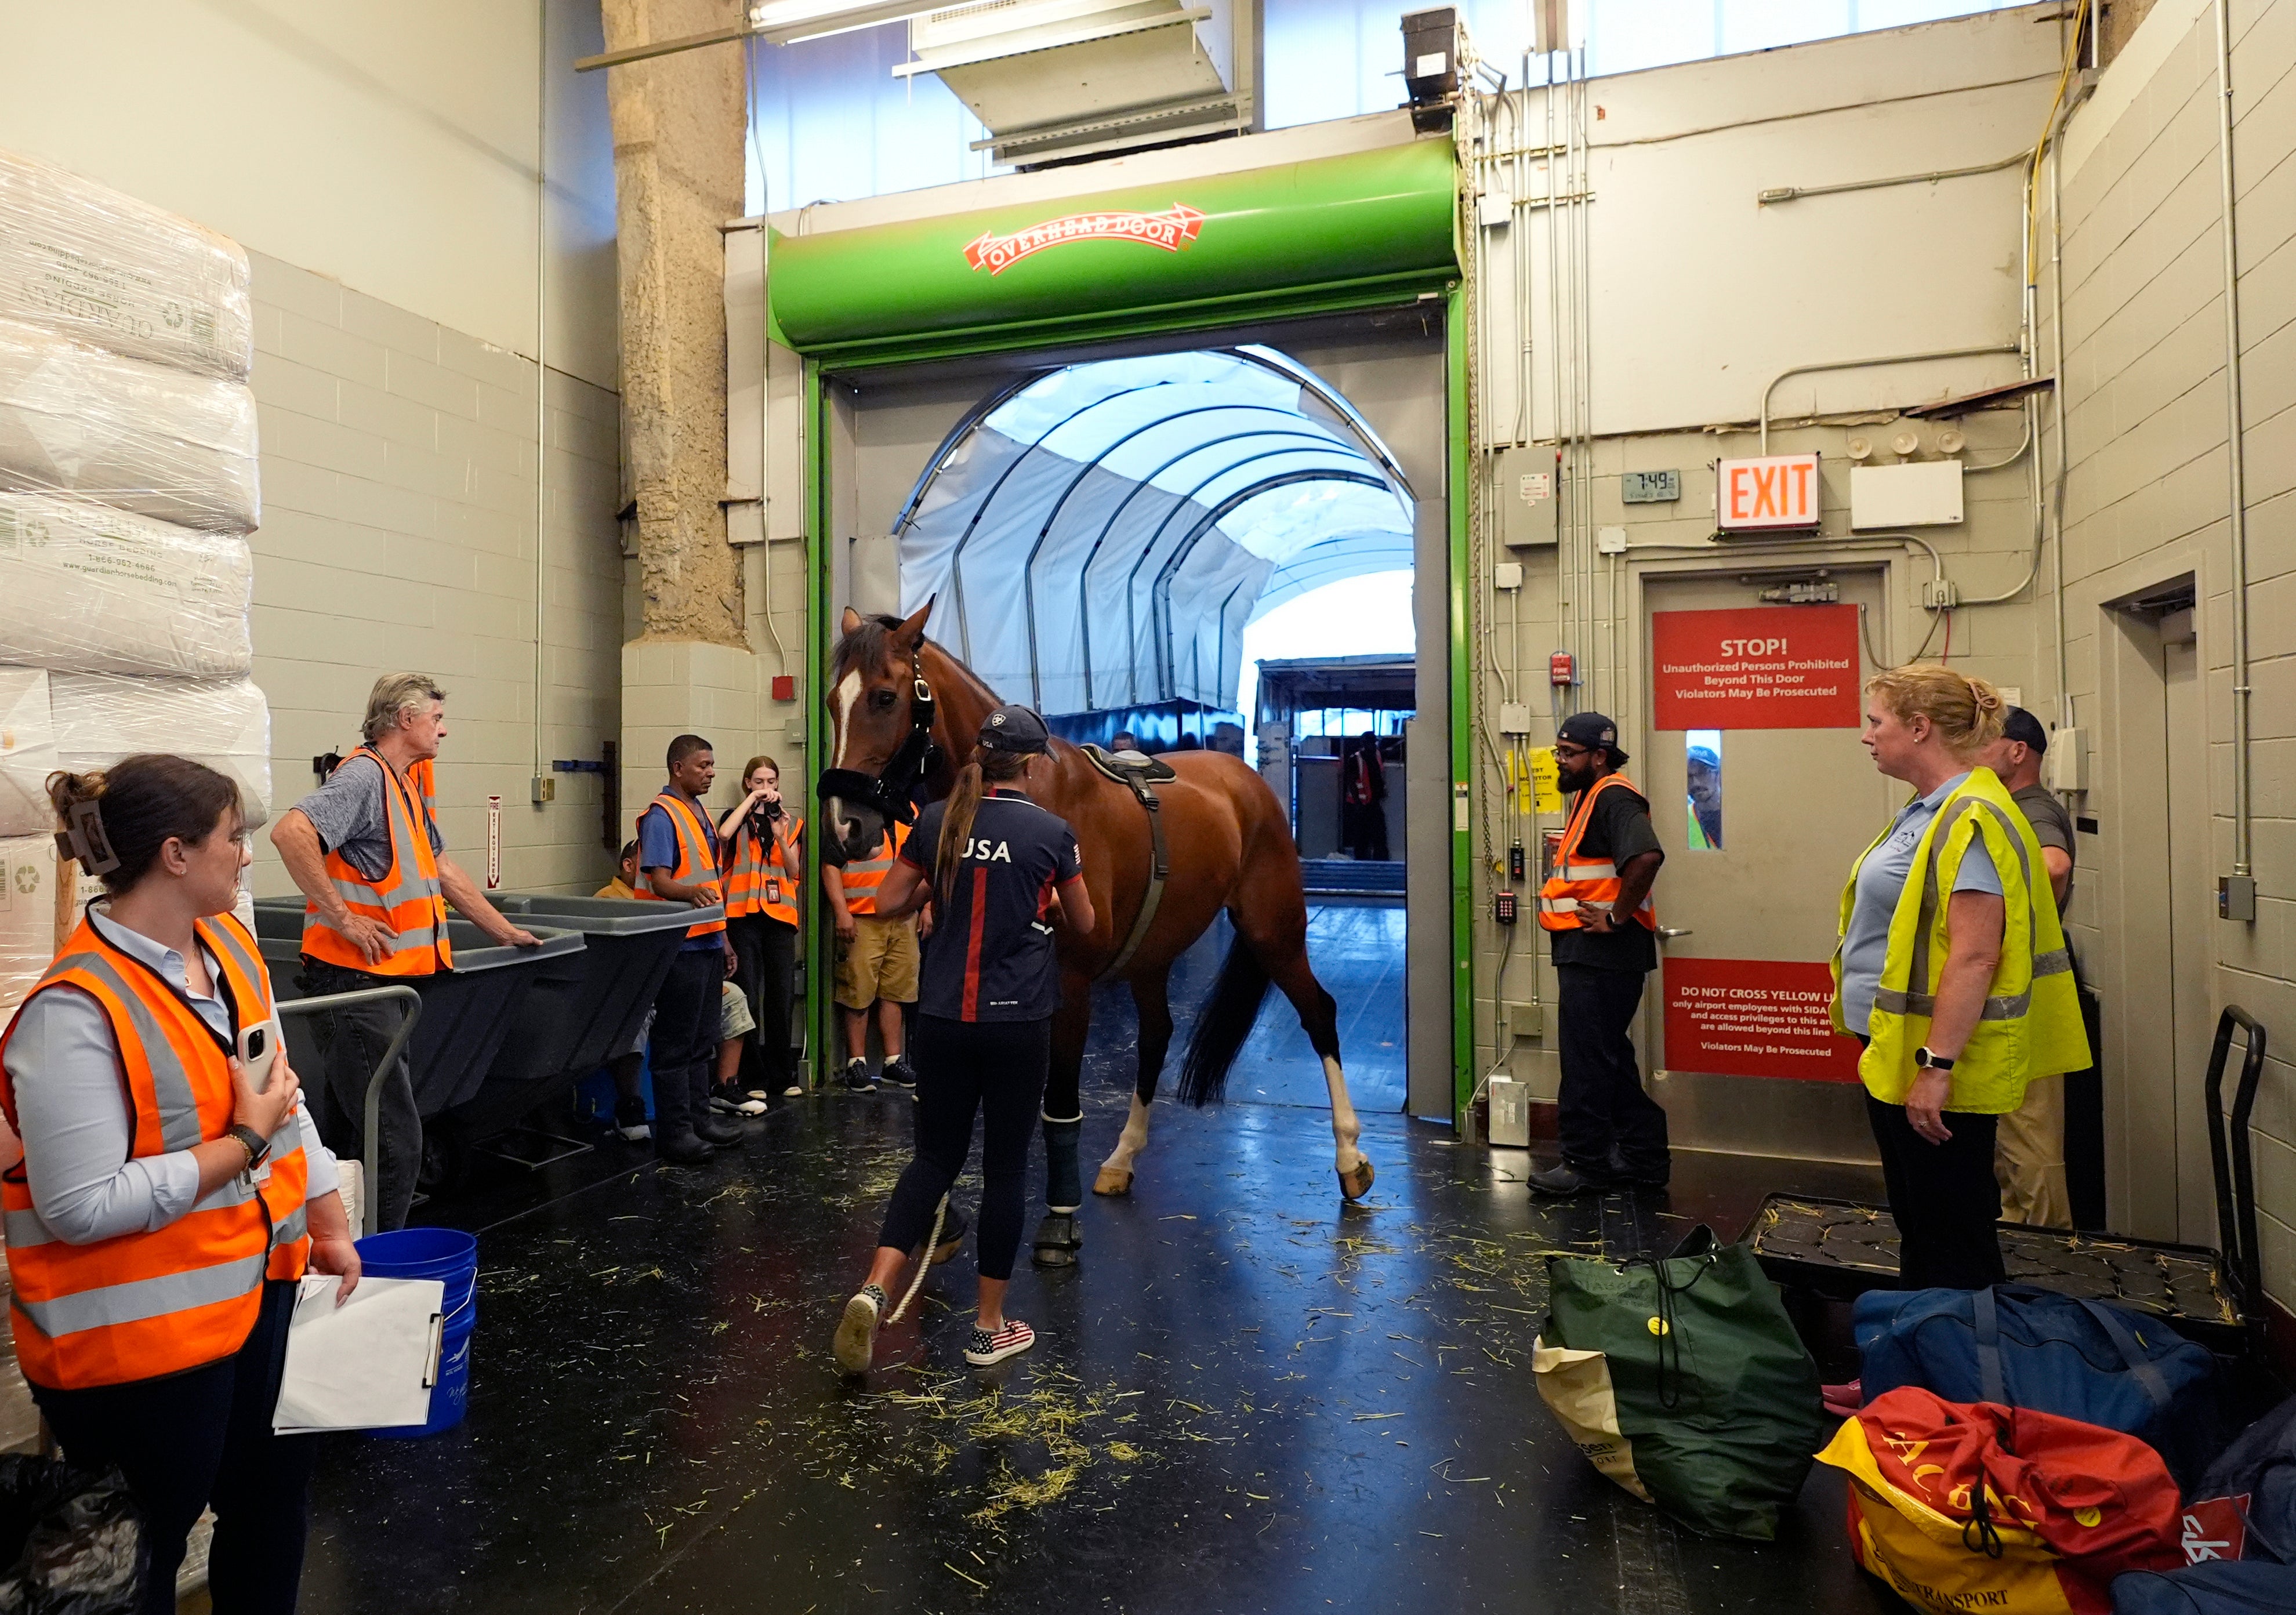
(259, 1045)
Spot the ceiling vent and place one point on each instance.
(1054, 80)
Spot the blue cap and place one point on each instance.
(1015, 728)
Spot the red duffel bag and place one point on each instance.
(1977, 1506)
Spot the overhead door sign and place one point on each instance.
(1755, 1018)
(1171, 230)
(1756, 667)
(1773, 491)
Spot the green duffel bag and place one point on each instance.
(1682, 1380)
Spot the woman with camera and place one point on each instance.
(759, 839)
(172, 1190)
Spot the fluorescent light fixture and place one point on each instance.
(791, 22)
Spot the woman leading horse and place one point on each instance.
(900, 707)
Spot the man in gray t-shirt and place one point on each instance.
(2029, 1146)
(2016, 759)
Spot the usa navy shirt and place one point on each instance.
(990, 956)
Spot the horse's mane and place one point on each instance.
(865, 646)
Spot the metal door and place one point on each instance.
(1796, 807)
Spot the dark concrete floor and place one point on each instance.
(1247, 1397)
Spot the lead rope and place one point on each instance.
(924, 1261)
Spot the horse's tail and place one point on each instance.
(1222, 1026)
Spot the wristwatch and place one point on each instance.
(1929, 1061)
(258, 1147)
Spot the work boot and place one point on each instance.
(1640, 1178)
(682, 1150)
(1565, 1181)
(718, 1130)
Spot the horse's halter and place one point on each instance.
(889, 790)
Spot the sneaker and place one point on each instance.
(796, 1090)
(762, 1095)
(630, 1120)
(899, 1074)
(730, 1101)
(1009, 1341)
(856, 1078)
(856, 1331)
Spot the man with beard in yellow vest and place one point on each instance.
(1596, 910)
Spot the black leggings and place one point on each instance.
(187, 1440)
(995, 1067)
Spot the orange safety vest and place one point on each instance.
(862, 880)
(408, 901)
(756, 882)
(140, 1305)
(1577, 882)
(697, 864)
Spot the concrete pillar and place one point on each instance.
(678, 131)
(678, 134)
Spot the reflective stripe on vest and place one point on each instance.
(2029, 1025)
(863, 878)
(407, 900)
(143, 1304)
(697, 862)
(1578, 880)
(756, 882)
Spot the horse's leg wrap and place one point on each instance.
(1353, 1166)
(1115, 1172)
(1064, 1179)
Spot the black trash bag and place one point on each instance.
(72, 1540)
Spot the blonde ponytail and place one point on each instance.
(1967, 711)
(985, 767)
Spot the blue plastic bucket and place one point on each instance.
(451, 1257)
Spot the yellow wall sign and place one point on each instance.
(1545, 781)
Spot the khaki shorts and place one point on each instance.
(733, 1017)
(880, 963)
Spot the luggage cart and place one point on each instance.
(1838, 1249)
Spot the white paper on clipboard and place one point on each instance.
(367, 1365)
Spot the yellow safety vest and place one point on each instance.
(2031, 1023)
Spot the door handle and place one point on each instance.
(1667, 933)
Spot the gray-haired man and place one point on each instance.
(365, 851)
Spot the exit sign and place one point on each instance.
(1773, 491)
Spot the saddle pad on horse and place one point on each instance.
(1140, 778)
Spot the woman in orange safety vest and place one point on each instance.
(758, 842)
(168, 1201)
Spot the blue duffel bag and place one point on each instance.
(2222, 1586)
(2025, 1347)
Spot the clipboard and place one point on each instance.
(368, 1363)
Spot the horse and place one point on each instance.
(902, 709)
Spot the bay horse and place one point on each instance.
(904, 711)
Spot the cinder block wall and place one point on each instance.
(2147, 499)
(398, 462)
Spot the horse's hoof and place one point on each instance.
(1353, 1185)
(1113, 1180)
(1057, 1241)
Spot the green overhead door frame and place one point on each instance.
(1332, 236)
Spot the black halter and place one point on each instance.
(889, 790)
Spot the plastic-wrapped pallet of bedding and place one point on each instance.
(86, 262)
(28, 751)
(27, 915)
(85, 588)
(225, 723)
(162, 443)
